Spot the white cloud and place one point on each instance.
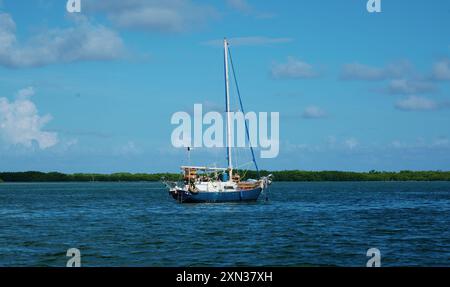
(153, 15)
(351, 143)
(21, 124)
(129, 149)
(7, 30)
(402, 77)
(244, 7)
(441, 70)
(294, 69)
(240, 5)
(25, 93)
(250, 41)
(441, 142)
(397, 144)
(410, 87)
(420, 143)
(415, 103)
(357, 71)
(331, 143)
(83, 42)
(313, 112)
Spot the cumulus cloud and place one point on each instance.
(410, 87)
(250, 41)
(441, 70)
(401, 77)
(415, 103)
(357, 71)
(83, 42)
(313, 112)
(21, 124)
(153, 15)
(293, 69)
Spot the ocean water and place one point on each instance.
(302, 224)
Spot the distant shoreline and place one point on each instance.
(287, 175)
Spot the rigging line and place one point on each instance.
(243, 111)
(245, 171)
(236, 151)
(245, 164)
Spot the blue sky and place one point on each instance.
(95, 91)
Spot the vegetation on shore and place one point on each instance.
(35, 176)
(286, 175)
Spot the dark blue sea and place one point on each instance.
(302, 224)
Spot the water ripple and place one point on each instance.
(303, 224)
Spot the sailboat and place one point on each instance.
(203, 184)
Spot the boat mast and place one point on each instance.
(227, 95)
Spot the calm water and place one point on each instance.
(303, 224)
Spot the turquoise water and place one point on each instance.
(303, 224)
